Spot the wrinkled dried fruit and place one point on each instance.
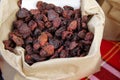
(56, 22)
(32, 24)
(41, 24)
(72, 45)
(49, 49)
(22, 13)
(17, 23)
(48, 24)
(43, 53)
(7, 44)
(50, 32)
(35, 57)
(28, 59)
(55, 42)
(63, 54)
(65, 34)
(72, 26)
(37, 32)
(67, 13)
(59, 31)
(36, 45)
(24, 30)
(43, 38)
(52, 15)
(89, 36)
(34, 11)
(82, 34)
(28, 49)
(59, 10)
(18, 41)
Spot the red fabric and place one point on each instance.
(110, 69)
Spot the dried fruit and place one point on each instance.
(52, 15)
(65, 34)
(18, 41)
(49, 49)
(72, 26)
(43, 38)
(82, 34)
(23, 13)
(56, 22)
(72, 45)
(24, 30)
(89, 36)
(32, 24)
(34, 11)
(50, 32)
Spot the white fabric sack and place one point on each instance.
(15, 68)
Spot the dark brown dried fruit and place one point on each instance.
(49, 49)
(49, 35)
(55, 42)
(41, 24)
(35, 57)
(59, 10)
(89, 36)
(43, 53)
(34, 11)
(41, 5)
(28, 59)
(52, 15)
(82, 34)
(37, 32)
(48, 24)
(72, 45)
(56, 22)
(7, 44)
(65, 34)
(72, 26)
(18, 41)
(36, 45)
(67, 13)
(45, 19)
(43, 38)
(28, 49)
(59, 31)
(32, 24)
(60, 49)
(84, 25)
(50, 32)
(75, 52)
(17, 23)
(24, 30)
(23, 13)
(63, 54)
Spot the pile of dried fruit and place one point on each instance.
(50, 32)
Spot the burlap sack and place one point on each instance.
(112, 25)
(15, 68)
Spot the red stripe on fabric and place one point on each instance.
(105, 47)
(105, 75)
(115, 61)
